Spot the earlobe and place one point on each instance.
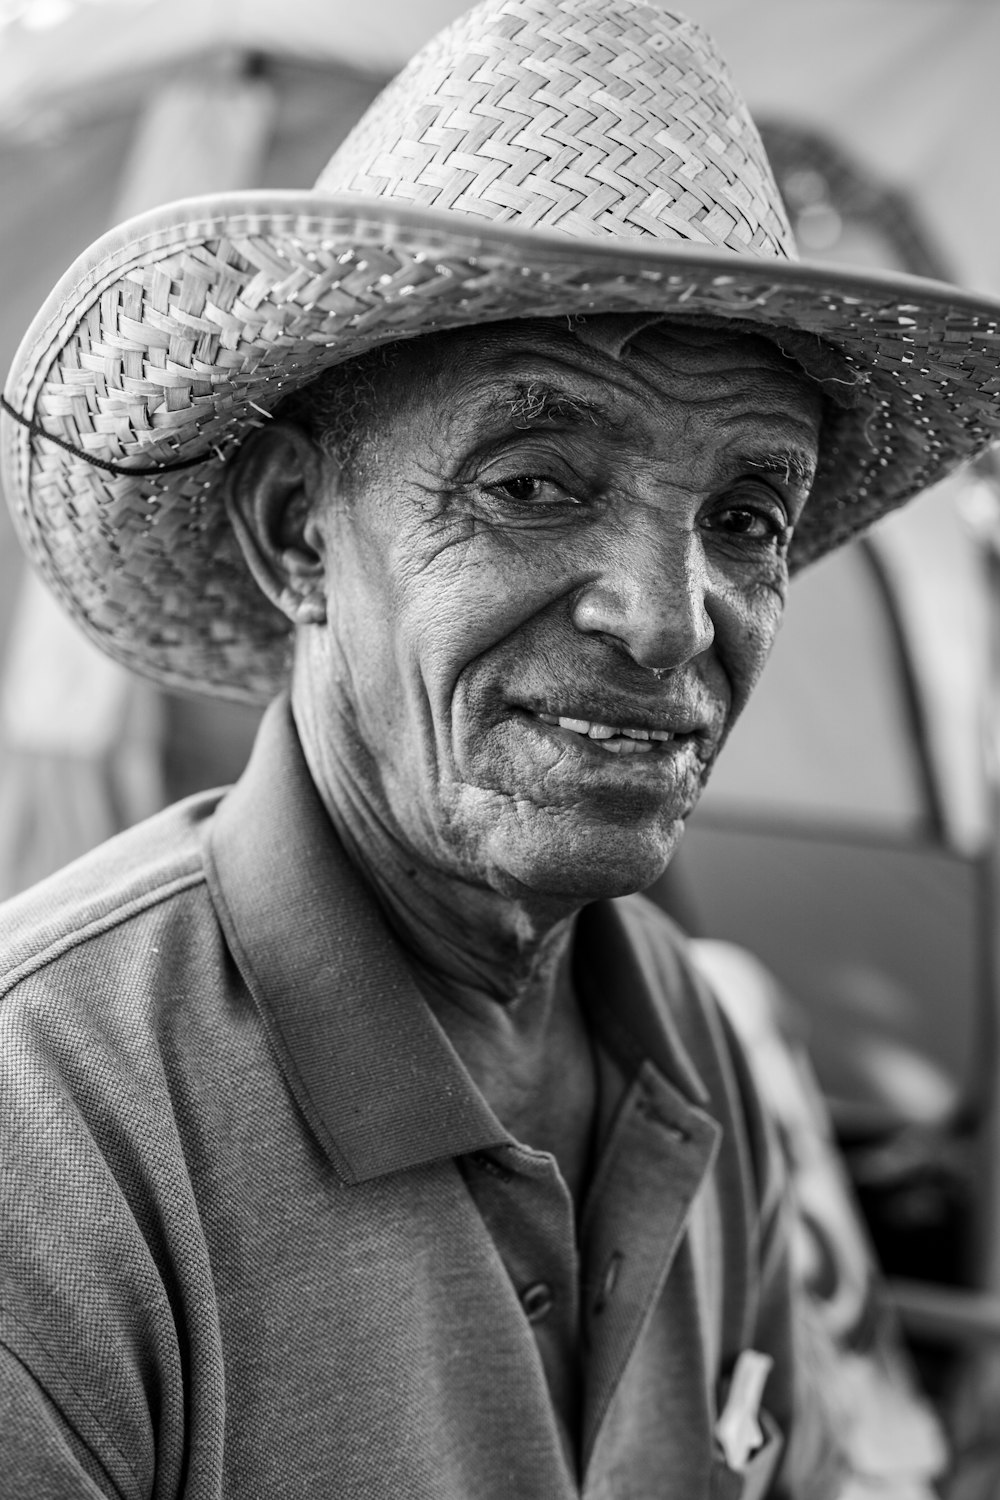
(273, 490)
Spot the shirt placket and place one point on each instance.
(528, 1211)
(638, 1211)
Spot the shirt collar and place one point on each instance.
(370, 1068)
(372, 1071)
(636, 985)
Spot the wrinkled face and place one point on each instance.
(550, 589)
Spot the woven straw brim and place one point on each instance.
(173, 333)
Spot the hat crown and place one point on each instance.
(591, 117)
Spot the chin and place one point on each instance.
(592, 865)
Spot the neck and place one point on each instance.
(469, 944)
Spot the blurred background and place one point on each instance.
(849, 837)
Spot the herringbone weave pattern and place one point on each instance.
(591, 119)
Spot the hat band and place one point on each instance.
(147, 471)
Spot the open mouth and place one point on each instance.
(616, 739)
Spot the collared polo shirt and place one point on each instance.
(260, 1235)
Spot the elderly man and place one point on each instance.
(357, 1141)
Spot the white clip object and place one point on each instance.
(738, 1429)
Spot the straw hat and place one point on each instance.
(538, 158)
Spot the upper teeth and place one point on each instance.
(596, 731)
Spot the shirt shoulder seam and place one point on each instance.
(108, 920)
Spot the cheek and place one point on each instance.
(475, 601)
(753, 624)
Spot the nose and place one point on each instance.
(651, 595)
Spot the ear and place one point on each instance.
(274, 488)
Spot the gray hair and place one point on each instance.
(338, 408)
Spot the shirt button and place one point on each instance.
(537, 1300)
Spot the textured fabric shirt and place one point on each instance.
(261, 1236)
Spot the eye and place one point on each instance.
(530, 489)
(761, 520)
(740, 520)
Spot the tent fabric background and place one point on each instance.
(907, 86)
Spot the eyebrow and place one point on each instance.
(535, 404)
(789, 464)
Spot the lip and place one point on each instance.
(677, 723)
(661, 736)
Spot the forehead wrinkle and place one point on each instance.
(706, 352)
(745, 371)
(772, 436)
(536, 382)
(577, 385)
(754, 399)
